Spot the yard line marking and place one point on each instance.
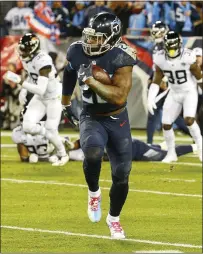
(179, 163)
(181, 180)
(9, 156)
(158, 251)
(104, 188)
(102, 237)
(109, 181)
(8, 145)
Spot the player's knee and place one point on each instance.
(28, 127)
(50, 133)
(189, 120)
(120, 180)
(121, 172)
(93, 154)
(167, 127)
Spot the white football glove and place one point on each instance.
(151, 105)
(22, 96)
(153, 91)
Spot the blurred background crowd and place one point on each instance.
(59, 23)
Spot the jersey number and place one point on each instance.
(181, 77)
(40, 149)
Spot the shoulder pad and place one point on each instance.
(158, 56)
(189, 56)
(72, 48)
(127, 49)
(42, 60)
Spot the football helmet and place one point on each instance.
(158, 31)
(28, 46)
(172, 44)
(102, 34)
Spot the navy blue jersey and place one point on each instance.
(120, 56)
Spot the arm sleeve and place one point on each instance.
(40, 88)
(69, 80)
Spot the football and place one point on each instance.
(101, 75)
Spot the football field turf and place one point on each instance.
(43, 208)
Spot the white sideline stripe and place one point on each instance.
(179, 163)
(181, 180)
(109, 181)
(158, 251)
(8, 145)
(142, 137)
(102, 237)
(104, 188)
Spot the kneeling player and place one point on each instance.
(34, 148)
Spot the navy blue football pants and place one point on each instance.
(112, 133)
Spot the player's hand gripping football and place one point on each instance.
(85, 72)
(68, 113)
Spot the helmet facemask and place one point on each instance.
(173, 47)
(158, 34)
(96, 43)
(27, 50)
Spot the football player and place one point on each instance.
(38, 148)
(47, 89)
(104, 119)
(34, 148)
(140, 151)
(158, 31)
(183, 73)
(198, 53)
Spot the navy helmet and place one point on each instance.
(102, 34)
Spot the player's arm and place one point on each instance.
(68, 86)
(196, 72)
(23, 152)
(42, 82)
(117, 92)
(154, 89)
(69, 82)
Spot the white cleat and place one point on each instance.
(115, 229)
(61, 161)
(94, 208)
(170, 158)
(54, 158)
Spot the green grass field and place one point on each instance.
(43, 208)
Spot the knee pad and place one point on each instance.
(120, 181)
(33, 128)
(93, 154)
(50, 133)
(28, 127)
(121, 173)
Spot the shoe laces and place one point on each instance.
(116, 226)
(94, 203)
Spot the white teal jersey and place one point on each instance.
(35, 144)
(41, 60)
(177, 70)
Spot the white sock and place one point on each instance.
(55, 139)
(194, 148)
(170, 140)
(95, 193)
(112, 218)
(196, 134)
